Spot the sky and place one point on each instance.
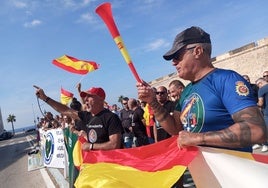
(33, 33)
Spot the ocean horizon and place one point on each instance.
(23, 129)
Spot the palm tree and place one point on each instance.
(12, 118)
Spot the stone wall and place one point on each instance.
(250, 59)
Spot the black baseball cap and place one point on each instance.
(190, 35)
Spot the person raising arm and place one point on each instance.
(101, 128)
(216, 108)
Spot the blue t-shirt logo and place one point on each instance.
(192, 113)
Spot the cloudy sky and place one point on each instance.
(33, 33)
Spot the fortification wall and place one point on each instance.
(250, 59)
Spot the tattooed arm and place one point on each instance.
(171, 123)
(249, 128)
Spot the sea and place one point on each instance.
(23, 129)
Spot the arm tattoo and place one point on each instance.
(245, 134)
(243, 139)
(240, 134)
(228, 136)
(159, 111)
(247, 119)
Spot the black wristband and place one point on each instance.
(47, 99)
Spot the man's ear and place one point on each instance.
(198, 51)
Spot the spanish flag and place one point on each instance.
(148, 115)
(65, 96)
(161, 164)
(74, 65)
(156, 165)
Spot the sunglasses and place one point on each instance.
(178, 55)
(160, 92)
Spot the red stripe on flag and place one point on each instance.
(66, 93)
(159, 156)
(260, 158)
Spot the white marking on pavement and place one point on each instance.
(47, 179)
(58, 177)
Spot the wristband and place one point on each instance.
(203, 139)
(91, 146)
(47, 99)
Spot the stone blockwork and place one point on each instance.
(251, 59)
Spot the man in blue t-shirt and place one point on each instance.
(217, 108)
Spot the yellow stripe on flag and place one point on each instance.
(65, 96)
(109, 175)
(78, 65)
(74, 65)
(65, 99)
(77, 155)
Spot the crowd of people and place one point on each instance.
(132, 115)
(219, 108)
(260, 90)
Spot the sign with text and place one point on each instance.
(53, 148)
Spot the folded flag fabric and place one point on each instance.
(233, 168)
(65, 96)
(74, 65)
(156, 165)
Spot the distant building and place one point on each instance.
(250, 59)
(1, 122)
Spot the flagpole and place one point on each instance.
(82, 77)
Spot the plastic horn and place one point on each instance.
(105, 12)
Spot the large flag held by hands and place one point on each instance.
(162, 164)
(156, 165)
(74, 65)
(65, 96)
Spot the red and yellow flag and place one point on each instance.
(148, 115)
(65, 96)
(156, 165)
(162, 164)
(74, 65)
